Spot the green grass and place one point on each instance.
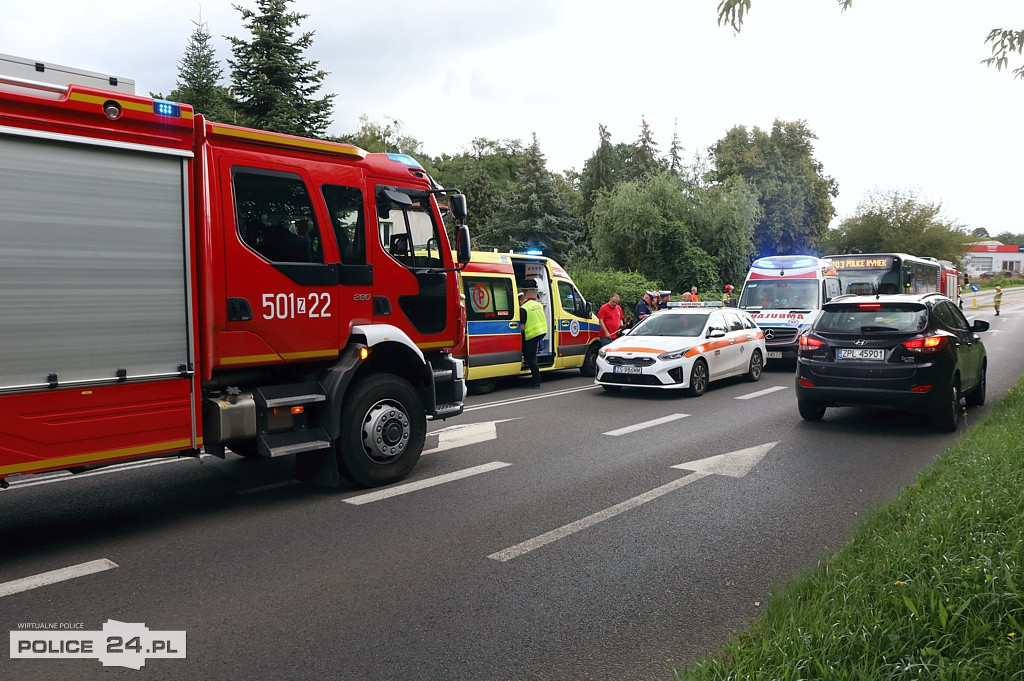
(930, 587)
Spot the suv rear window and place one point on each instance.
(873, 317)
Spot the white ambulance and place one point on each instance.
(784, 294)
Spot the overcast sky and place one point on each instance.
(893, 88)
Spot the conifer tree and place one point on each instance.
(199, 77)
(274, 84)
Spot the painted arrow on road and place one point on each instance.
(734, 464)
(465, 434)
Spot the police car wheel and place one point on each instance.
(589, 368)
(756, 367)
(698, 378)
(383, 427)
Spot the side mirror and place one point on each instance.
(716, 333)
(462, 245)
(457, 204)
(979, 325)
(589, 311)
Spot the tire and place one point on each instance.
(698, 379)
(589, 368)
(756, 367)
(247, 448)
(611, 388)
(810, 411)
(947, 416)
(482, 386)
(383, 427)
(976, 397)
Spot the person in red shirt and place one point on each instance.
(610, 317)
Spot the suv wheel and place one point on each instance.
(810, 411)
(976, 398)
(947, 417)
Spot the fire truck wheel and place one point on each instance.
(383, 427)
(482, 386)
(589, 368)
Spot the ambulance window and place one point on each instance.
(345, 205)
(487, 299)
(572, 301)
(274, 216)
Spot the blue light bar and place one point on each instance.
(406, 159)
(162, 107)
(533, 251)
(785, 262)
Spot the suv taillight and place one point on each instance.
(810, 343)
(926, 345)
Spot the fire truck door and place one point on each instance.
(281, 276)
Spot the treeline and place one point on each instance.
(632, 217)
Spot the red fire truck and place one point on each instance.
(171, 285)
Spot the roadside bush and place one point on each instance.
(597, 286)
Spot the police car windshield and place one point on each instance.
(867, 318)
(771, 294)
(663, 324)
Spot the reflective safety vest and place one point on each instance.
(535, 325)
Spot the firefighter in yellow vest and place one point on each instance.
(531, 321)
(997, 300)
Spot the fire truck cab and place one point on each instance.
(171, 285)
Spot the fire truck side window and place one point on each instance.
(407, 228)
(275, 216)
(345, 204)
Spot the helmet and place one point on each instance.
(728, 288)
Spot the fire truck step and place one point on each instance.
(288, 395)
(446, 410)
(294, 442)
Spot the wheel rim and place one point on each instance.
(700, 378)
(386, 431)
(755, 365)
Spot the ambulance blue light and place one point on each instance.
(406, 159)
(164, 108)
(533, 251)
(784, 262)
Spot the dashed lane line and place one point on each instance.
(516, 400)
(408, 487)
(646, 424)
(761, 393)
(55, 576)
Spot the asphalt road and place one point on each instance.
(570, 547)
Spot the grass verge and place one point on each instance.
(930, 587)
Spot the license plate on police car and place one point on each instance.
(774, 354)
(860, 353)
(626, 370)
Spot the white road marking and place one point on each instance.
(68, 477)
(759, 393)
(645, 424)
(591, 520)
(464, 435)
(267, 488)
(54, 576)
(380, 495)
(735, 464)
(516, 400)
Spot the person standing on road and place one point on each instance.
(693, 294)
(997, 300)
(664, 298)
(643, 307)
(610, 318)
(727, 296)
(531, 321)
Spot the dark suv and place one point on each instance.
(914, 352)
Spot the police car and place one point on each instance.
(685, 346)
